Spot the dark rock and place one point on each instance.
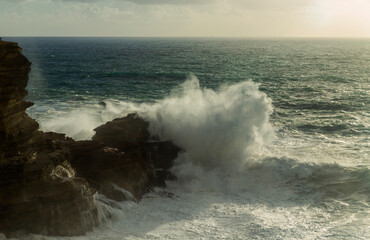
(17, 130)
(39, 192)
(132, 132)
(110, 171)
(48, 182)
(123, 133)
(163, 153)
(122, 156)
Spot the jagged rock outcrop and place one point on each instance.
(17, 130)
(39, 192)
(132, 132)
(123, 156)
(48, 182)
(123, 133)
(113, 172)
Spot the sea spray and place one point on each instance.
(235, 119)
(220, 131)
(82, 120)
(311, 182)
(215, 128)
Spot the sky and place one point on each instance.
(186, 18)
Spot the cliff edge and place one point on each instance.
(39, 192)
(49, 184)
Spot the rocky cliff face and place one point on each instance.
(39, 192)
(48, 183)
(17, 130)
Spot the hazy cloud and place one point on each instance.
(185, 17)
(85, 1)
(180, 2)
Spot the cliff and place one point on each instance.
(39, 192)
(49, 183)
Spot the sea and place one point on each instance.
(275, 131)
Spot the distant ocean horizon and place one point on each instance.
(196, 37)
(276, 131)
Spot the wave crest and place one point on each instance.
(216, 128)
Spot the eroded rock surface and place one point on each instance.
(123, 133)
(123, 156)
(112, 171)
(49, 183)
(39, 192)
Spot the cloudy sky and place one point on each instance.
(219, 18)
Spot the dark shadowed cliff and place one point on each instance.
(49, 183)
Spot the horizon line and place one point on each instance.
(326, 37)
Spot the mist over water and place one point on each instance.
(219, 130)
(230, 158)
(215, 128)
(285, 156)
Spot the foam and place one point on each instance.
(227, 188)
(216, 128)
(220, 131)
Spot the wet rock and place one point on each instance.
(110, 170)
(123, 133)
(124, 157)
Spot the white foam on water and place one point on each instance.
(226, 188)
(219, 130)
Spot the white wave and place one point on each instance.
(219, 130)
(79, 123)
(216, 129)
(225, 189)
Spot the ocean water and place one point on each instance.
(275, 131)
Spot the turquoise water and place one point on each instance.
(287, 161)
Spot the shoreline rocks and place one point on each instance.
(48, 183)
(122, 155)
(35, 197)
